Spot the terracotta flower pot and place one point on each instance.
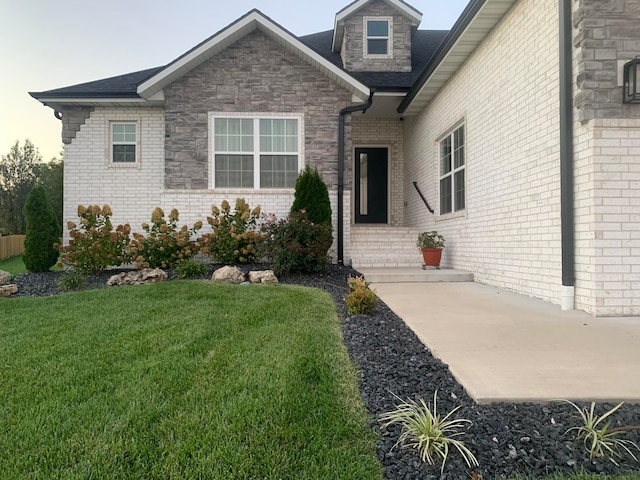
(431, 257)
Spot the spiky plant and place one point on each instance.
(599, 439)
(424, 430)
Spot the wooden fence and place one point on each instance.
(11, 245)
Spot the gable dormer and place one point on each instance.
(375, 35)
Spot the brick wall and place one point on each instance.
(507, 95)
(607, 146)
(253, 75)
(132, 191)
(379, 132)
(353, 41)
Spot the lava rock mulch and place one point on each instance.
(506, 438)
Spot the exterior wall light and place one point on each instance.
(632, 81)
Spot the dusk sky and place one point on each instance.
(47, 44)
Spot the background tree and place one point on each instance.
(312, 196)
(42, 232)
(17, 177)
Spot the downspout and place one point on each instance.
(567, 298)
(361, 107)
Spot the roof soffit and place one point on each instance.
(476, 22)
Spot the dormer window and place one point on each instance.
(378, 38)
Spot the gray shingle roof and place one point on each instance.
(425, 43)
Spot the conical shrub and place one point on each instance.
(41, 232)
(312, 196)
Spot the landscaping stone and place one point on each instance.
(228, 275)
(4, 277)
(263, 276)
(138, 277)
(8, 290)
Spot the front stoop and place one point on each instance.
(413, 275)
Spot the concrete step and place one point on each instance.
(413, 275)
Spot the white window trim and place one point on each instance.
(256, 148)
(450, 134)
(109, 163)
(365, 43)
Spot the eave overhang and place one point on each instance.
(338, 28)
(254, 20)
(475, 23)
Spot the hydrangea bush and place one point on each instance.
(163, 245)
(234, 237)
(95, 244)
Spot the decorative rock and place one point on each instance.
(4, 277)
(228, 275)
(7, 290)
(138, 277)
(264, 276)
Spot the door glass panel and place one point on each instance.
(364, 195)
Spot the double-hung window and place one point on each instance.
(124, 142)
(452, 172)
(377, 36)
(256, 152)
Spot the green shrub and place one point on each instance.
(40, 253)
(360, 300)
(296, 244)
(192, 269)
(163, 246)
(94, 244)
(72, 280)
(234, 238)
(311, 196)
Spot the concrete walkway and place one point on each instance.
(506, 347)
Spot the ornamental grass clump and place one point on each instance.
(164, 245)
(234, 237)
(424, 430)
(95, 244)
(191, 268)
(296, 244)
(360, 300)
(599, 439)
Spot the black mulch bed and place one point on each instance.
(507, 439)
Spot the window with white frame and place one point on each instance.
(124, 142)
(256, 152)
(377, 36)
(452, 172)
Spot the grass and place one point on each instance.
(180, 380)
(13, 265)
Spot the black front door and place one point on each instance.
(371, 185)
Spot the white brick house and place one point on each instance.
(512, 125)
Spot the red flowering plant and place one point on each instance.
(295, 244)
(164, 245)
(95, 244)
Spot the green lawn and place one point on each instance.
(180, 380)
(13, 265)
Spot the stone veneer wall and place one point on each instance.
(72, 119)
(607, 35)
(253, 75)
(378, 132)
(353, 42)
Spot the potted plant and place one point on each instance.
(431, 244)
